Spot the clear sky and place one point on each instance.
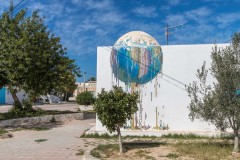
(85, 24)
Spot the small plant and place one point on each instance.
(95, 153)
(79, 110)
(40, 129)
(172, 155)
(53, 119)
(40, 140)
(2, 131)
(147, 157)
(142, 153)
(80, 152)
(105, 150)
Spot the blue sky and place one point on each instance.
(85, 24)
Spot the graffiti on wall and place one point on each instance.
(136, 59)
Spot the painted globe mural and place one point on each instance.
(136, 57)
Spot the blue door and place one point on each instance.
(2, 95)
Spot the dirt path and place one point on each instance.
(60, 143)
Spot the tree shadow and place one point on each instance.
(87, 115)
(142, 144)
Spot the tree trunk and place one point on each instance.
(17, 103)
(120, 140)
(236, 142)
(66, 94)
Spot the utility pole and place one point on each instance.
(84, 76)
(167, 33)
(167, 30)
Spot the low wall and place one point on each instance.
(41, 120)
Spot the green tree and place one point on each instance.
(31, 56)
(68, 86)
(114, 108)
(85, 98)
(218, 103)
(91, 79)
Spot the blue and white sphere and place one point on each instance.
(136, 57)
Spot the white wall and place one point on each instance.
(180, 62)
(21, 95)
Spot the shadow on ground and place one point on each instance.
(89, 115)
(139, 145)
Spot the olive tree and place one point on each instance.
(114, 108)
(219, 102)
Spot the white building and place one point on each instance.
(166, 92)
(6, 97)
(89, 86)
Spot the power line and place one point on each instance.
(228, 40)
(174, 79)
(154, 70)
(158, 75)
(18, 4)
(27, 1)
(173, 84)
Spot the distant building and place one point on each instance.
(6, 97)
(87, 86)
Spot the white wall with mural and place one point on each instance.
(163, 97)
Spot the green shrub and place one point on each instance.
(40, 140)
(2, 131)
(85, 98)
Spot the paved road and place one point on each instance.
(62, 143)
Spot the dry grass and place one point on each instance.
(206, 150)
(189, 149)
(139, 150)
